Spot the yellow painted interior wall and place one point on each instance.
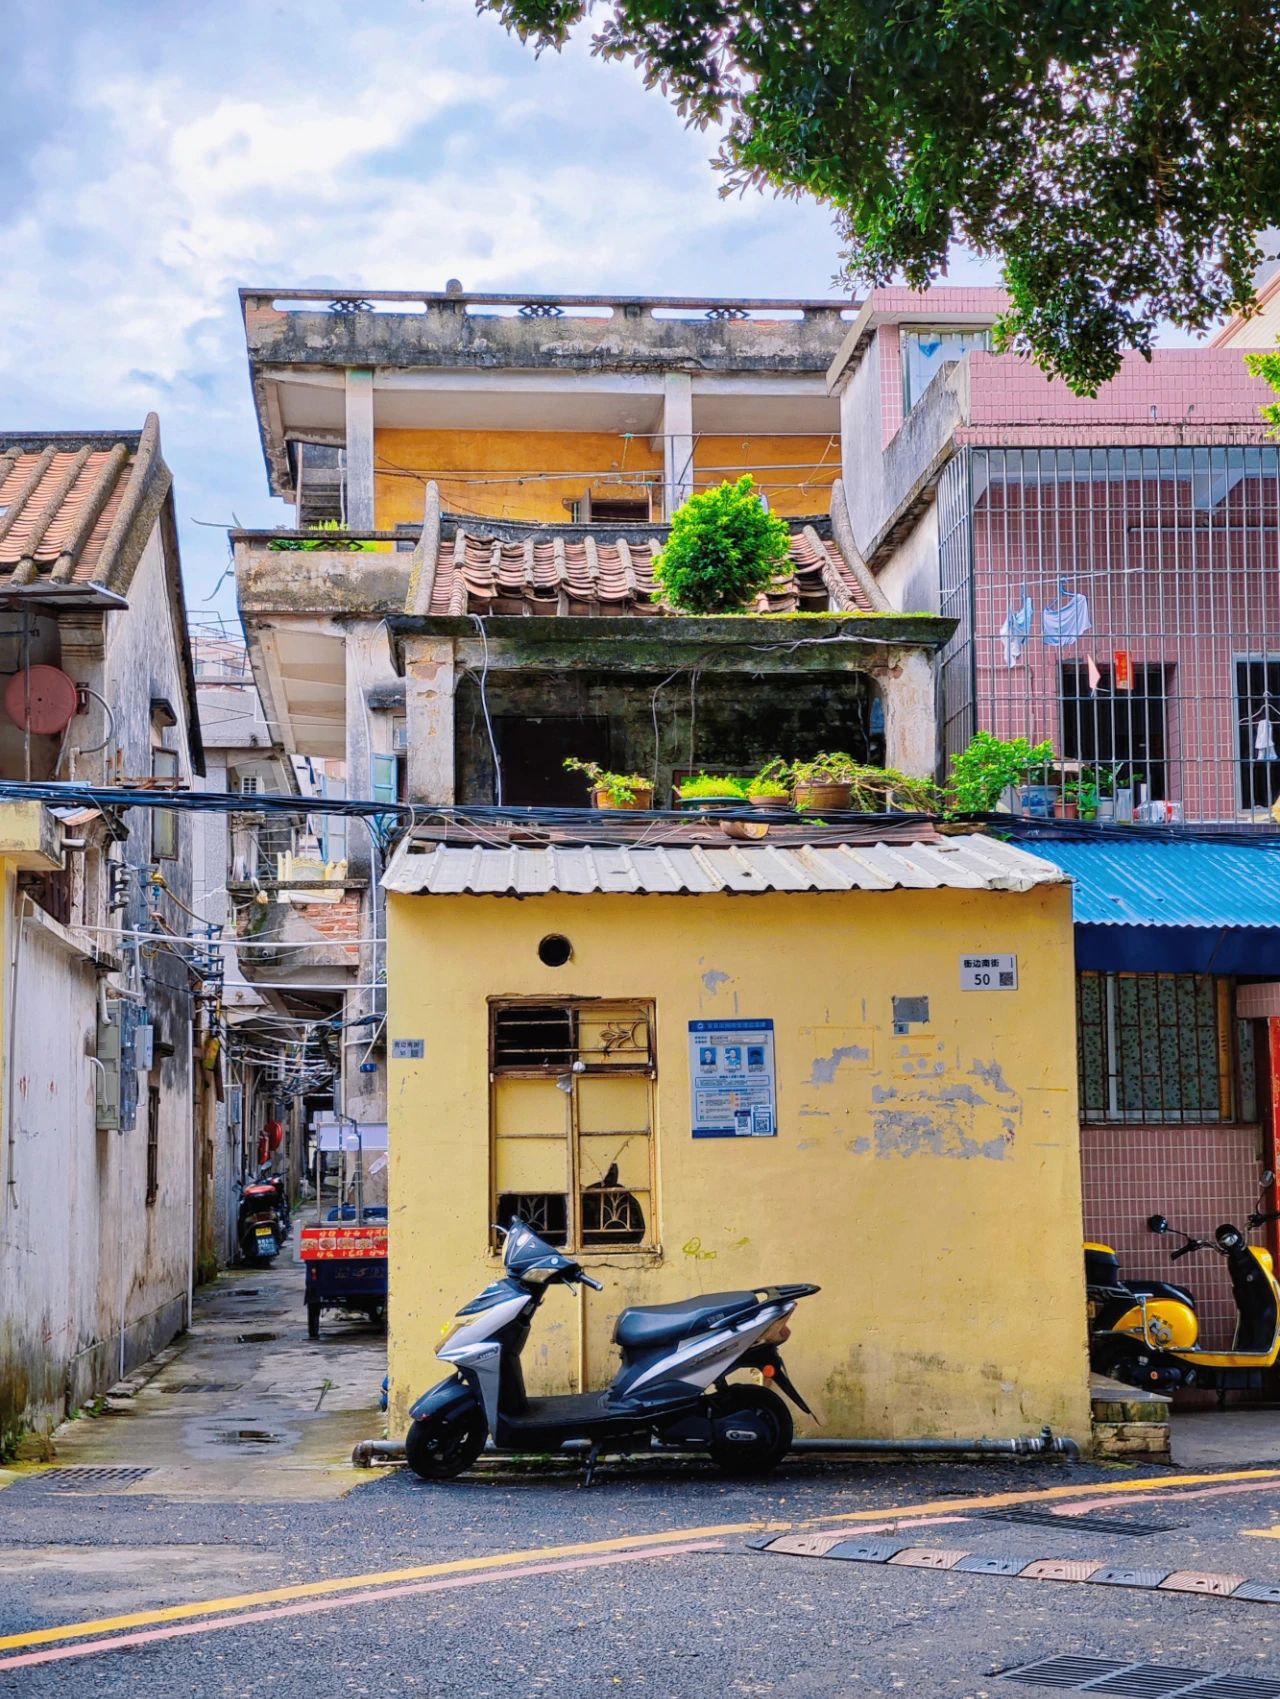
(795, 472)
(470, 468)
(930, 1184)
(479, 472)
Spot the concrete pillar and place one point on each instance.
(430, 682)
(677, 438)
(359, 449)
(910, 714)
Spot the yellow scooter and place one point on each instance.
(1154, 1342)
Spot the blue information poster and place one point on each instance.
(731, 1073)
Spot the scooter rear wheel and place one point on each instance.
(758, 1408)
(437, 1451)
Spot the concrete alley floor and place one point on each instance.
(245, 1408)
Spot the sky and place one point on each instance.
(158, 156)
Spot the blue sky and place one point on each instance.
(158, 156)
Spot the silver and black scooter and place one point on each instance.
(672, 1389)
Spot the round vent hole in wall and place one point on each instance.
(554, 950)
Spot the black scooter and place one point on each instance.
(262, 1220)
(672, 1388)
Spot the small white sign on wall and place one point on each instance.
(988, 973)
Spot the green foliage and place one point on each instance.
(335, 538)
(1268, 366)
(718, 785)
(773, 779)
(724, 549)
(620, 788)
(982, 773)
(1119, 160)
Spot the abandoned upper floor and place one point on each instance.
(539, 407)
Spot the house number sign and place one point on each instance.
(407, 1049)
(988, 973)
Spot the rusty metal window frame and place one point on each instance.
(569, 1066)
(153, 1143)
(1156, 1048)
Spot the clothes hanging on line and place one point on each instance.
(1264, 741)
(1067, 623)
(1016, 630)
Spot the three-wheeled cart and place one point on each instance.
(345, 1252)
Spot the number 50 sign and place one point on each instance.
(988, 973)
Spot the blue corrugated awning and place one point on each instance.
(1173, 906)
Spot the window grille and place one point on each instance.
(571, 1115)
(1120, 599)
(1154, 1047)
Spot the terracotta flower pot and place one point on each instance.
(640, 803)
(810, 795)
(772, 799)
(1064, 810)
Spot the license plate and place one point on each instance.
(265, 1233)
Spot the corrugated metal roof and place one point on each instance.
(969, 863)
(1170, 883)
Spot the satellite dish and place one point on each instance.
(52, 695)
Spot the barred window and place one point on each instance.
(1154, 1047)
(571, 1117)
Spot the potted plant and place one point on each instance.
(713, 790)
(725, 548)
(771, 787)
(991, 765)
(825, 782)
(1084, 794)
(613, 790)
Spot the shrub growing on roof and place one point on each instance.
(724, 549)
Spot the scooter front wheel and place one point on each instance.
(437, 1449)
(751, 1430)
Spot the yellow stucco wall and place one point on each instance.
(930, 1184)
(479, 472)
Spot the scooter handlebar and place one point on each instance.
(595, 1285)
(1186, 1250)
(1261, 1215)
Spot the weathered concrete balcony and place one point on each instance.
(305, 933)
(577, 332)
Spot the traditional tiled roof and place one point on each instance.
(77, 510)
(596, 570)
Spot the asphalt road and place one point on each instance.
(660, 1591)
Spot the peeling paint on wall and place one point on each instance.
(713, 979)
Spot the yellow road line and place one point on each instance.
(623, 1542)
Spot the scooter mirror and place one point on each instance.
(1157, 1224)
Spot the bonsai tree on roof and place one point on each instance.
(725, 548)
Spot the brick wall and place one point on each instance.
(1196, 1176)
(335, 921)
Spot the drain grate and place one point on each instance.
(202, 1386)
(1088, 1524)
(88, 1477)
(1148, 1681)
(1142, 1681)
(1065, 1672)
(255, 1338)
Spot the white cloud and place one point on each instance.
(280, 146)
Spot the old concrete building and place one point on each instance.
(102, 1016)
(495, 458)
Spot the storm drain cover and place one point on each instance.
(255, 1338)
(1087, 1524)
(88, 1477)
(1142, 1681)
(202, 1386)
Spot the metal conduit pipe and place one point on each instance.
(1045, 1443)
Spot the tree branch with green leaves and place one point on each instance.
(1119, 159)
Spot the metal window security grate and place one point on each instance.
(1087, 1524)
(89, 1477)
(1120, 602)
(1153, 1047)
(1141, 1681)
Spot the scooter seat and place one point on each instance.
(648, 1325)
